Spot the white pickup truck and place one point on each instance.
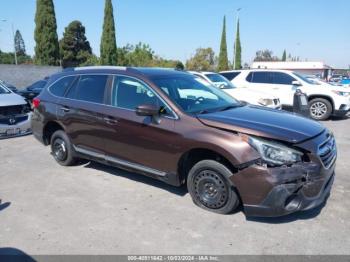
(324, 100)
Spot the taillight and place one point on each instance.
(36, 102)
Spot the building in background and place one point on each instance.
(308, 68)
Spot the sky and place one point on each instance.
(317, 30)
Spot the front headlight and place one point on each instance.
(275, 153)
(265, 101)
(340, 93)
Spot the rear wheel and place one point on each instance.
(210, 188)
(320, 109)
(61, 149)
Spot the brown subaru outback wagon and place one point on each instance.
(175, 127)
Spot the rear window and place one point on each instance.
(230, 75)
(59, 88)
(90, 88)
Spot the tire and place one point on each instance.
(210, 188)
(62, 149)
(320, 109)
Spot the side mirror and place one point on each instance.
(296, 83)
(147, 110)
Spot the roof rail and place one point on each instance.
(100, 68)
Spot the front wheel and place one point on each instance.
(210, 188)
(320, 109)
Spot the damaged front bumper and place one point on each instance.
(18, 125)
(279, 191)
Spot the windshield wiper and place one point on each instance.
(201, 112)
(229, 107)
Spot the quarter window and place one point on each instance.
(90, 88)
(59, 88)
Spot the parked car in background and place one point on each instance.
(14, 114)
(242, 94)
(346, 82)
(323, 102)
(336, 78)
(228, 153)
(33, 90)
(8, 86)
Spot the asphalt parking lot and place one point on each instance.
(94, 209)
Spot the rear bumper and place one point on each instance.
(19, 129)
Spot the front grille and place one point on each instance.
(11, 110)
(13, 120)
(328, 151)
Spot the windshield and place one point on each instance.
(220, 81)
(195, 95)
(3, 90)
(305, 79)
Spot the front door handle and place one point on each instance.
(65, 109)
(110, 120)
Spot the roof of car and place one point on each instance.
(154, 71)
(258, 69)
(202, 72)
(146, 71)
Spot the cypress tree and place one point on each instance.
(108, 47)
(223, 60)
(238, 49)
(19, 44)
(45, 35)
(284, 56)
(75, 48)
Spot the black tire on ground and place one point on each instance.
(320, 109)
(210, 188)
(62, 149)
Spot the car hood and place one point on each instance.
(264, 122)
(11, 99)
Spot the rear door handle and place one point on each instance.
(110, 120)
(65, 109)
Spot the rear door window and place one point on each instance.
(59, 88)
(89, 88)
(261, 78)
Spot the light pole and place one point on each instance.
(13, 37)
(234, 47)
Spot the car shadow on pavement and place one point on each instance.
(301, 215)
(13, 254)
(338, 118)
(180, 191)
(4, 205)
